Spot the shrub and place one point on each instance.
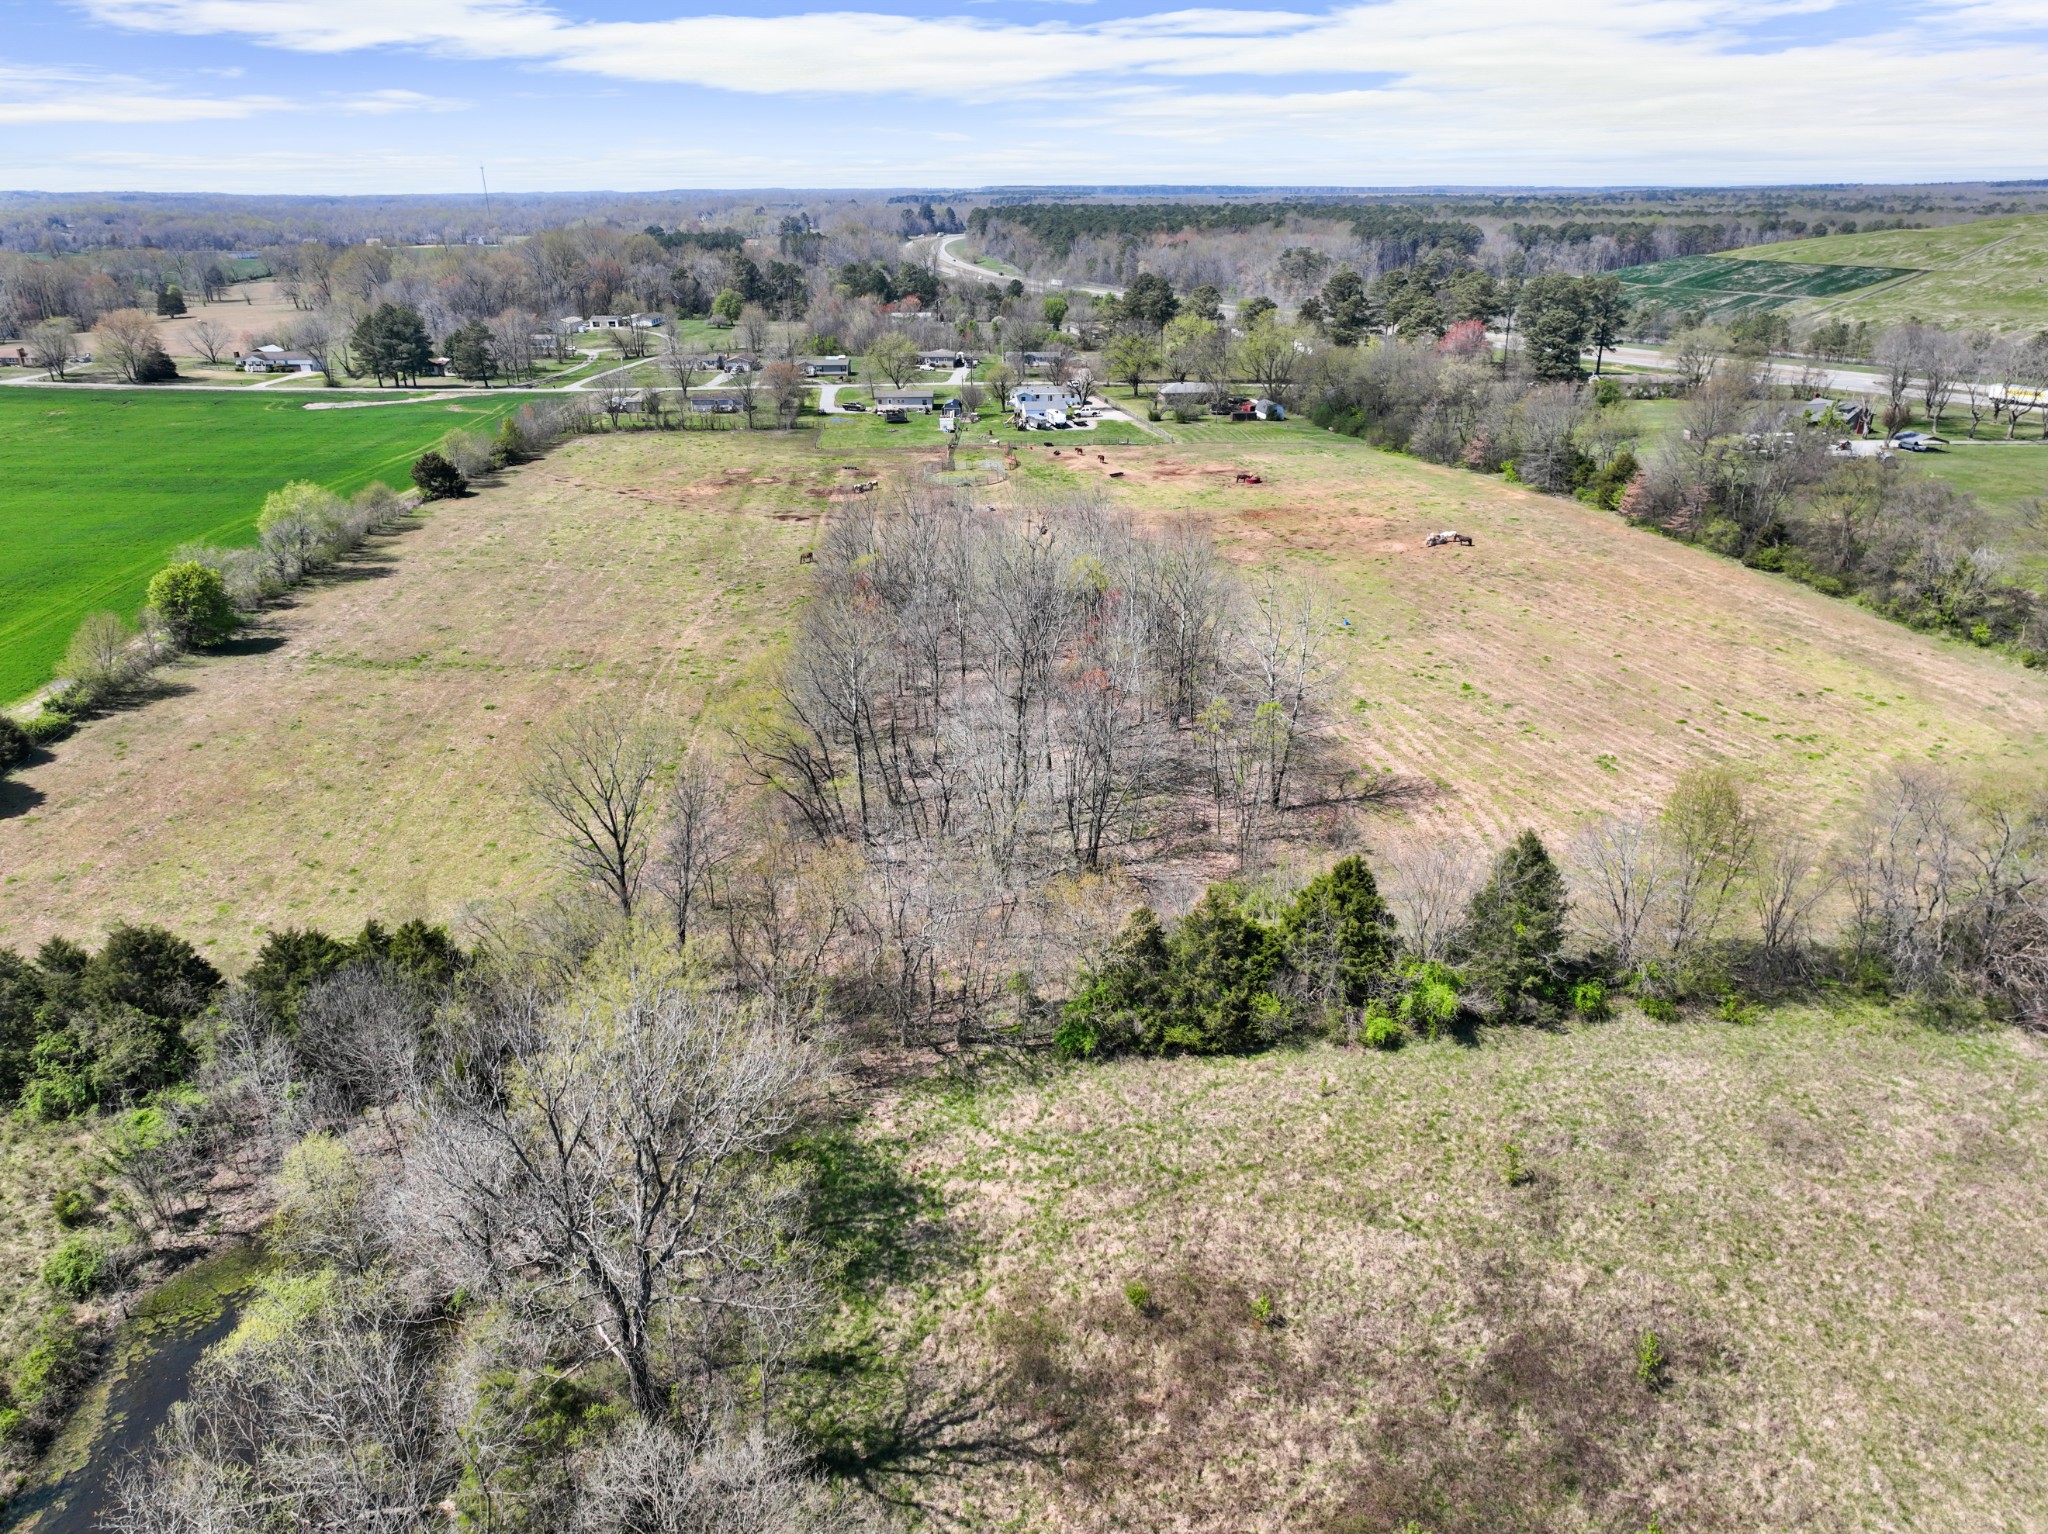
(192, 601)
(438, 479)
(15, 744)
(76, 1268)
(1650, 1361)
(1263, 1311)
(74, 1206)
(1589, 999)
(49, 726)
(1429, 997)
(1660, 1009)
(1139, 1296)
(1733, 1009)
(1514, 1170)
(1382, 1029)
(1076, 1037)
(51, 1366)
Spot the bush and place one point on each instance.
(438, 479)
(192, 601)
(44, 1374)
(49, 726)
(15, 744)
(76, 1268)
(1589, 999)
(1660, 1009)
(74, 1206)
(1382, 1029)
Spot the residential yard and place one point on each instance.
(101, 486)
(1691, 1277)
(370, 740)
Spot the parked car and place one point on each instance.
(853, 404)
(1919, 441)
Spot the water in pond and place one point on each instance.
(149, 1366)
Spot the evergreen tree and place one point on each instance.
(1117, 1004)
(1554, 326)
(470, 354)
(1345, 309)
(437, 478)
(1149, 301)
(1338, 934)
(1514, 927)
(1218, 986)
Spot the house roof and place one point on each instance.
(904, 393)
(1187, 388)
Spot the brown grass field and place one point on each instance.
(1831, 1225)
(362, 752)
(1358, 1305)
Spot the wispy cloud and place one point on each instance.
(37, 94)
(1367, 91)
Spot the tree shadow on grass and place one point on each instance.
(259, 643)
(18, 798)
(862, 1399)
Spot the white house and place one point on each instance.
(828, 367)
(919, 400)
(1044, 396)
(276, 359)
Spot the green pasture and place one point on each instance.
(1992, 274)
(100, 486)
(1723, 286)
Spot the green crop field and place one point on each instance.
(102, 485)
(1723, 286)
(1992, 274)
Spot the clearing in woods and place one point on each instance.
(369, 760)
(101, 485)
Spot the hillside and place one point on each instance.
(1991, 274)
(1828, 1225)
(369, 746)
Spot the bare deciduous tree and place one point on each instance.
(594, 780)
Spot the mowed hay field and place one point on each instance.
(367, 759)
(1566, 663)
(101, 485)
(370, 759)
(1992, 273)
(1359, 1306)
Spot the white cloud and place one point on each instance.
(1604, 89)
(38, 94)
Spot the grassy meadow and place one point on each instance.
(102, 485)
(370, 755)
(1336, 1289)
(1992, 274)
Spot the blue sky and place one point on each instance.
(413, 95)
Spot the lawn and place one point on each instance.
(100, 486)
(1252, 1295)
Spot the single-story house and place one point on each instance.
(827, 367)
(1185, 396)
(919, 400)
(947, 358)
(1259, 410)
(1049, 396)
(14, 357)
(1853, 414)
(276, 359)
(714, 404)
(1045, 359)
(619, 322)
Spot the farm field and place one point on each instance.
(1723, 287)
(1261, 1294)
(1991, 274)
(102, 485)
(371, 754)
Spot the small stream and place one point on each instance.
(149, 1366)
